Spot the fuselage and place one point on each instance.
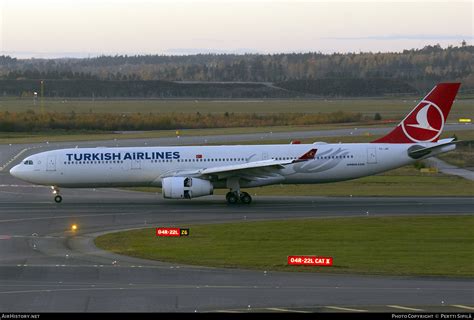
(137, 166)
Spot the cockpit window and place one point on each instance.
(28, 162)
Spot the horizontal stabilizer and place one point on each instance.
(418, 152)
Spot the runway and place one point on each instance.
(46, 267)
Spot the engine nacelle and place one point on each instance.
(186, 187)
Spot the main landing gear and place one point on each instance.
(57, 196)
(234, 197)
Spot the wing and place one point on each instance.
(277, 164)
(263, 169)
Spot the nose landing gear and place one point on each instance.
(57, 196)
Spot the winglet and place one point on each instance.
(307, 156)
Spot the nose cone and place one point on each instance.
(16, 171)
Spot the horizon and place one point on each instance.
(79, 55)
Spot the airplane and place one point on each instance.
(186, 172)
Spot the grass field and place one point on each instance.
(388, 108)
(462, 157)
(51, 136)
(428, 245)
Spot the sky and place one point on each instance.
(86, 28)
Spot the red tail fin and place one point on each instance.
(426, 121)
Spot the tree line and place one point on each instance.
(416, 69)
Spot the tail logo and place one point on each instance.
(425, 123)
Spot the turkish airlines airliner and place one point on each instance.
(187, 172)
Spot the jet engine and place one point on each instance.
(186, 187)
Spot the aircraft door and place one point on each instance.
(51, 163)
(264, 155)
(371, 155)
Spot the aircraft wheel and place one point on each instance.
(58, 199)
(231, 198)
(245, 198)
